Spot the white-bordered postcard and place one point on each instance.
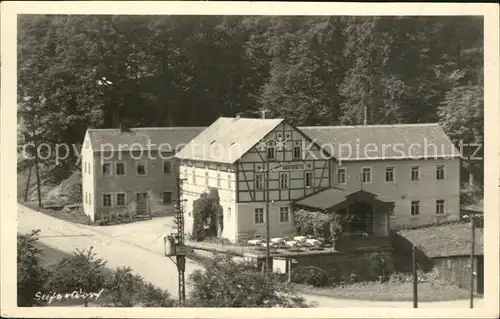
(194, 158)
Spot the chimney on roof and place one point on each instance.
(124, 127)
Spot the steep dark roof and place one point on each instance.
(445, 240)
(383, 141)
(165, 138)
(323, 199)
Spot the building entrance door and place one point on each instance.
(362, 217)
(142, 204)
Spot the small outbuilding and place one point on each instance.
(449, 247)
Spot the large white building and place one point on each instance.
(390, 176)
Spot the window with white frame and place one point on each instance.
(284, 180)
(440, 172)
(297, 152)
(284, 214)
(341, 175)
(259, 181)
(259, 216)
(167, 198)
(106, 169)
(415, 207)
(415, 173)
(440, 206)
(366, 175)
(120, 199)
(106, 200)
(120, 168)
(309, 179)
(167, 168)
(389, 174)
(140, 168)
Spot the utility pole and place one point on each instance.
(415, 277)
(268, 228)
(365, 115)
(28, 184)
(263, 112)
(180, 252)
(37, 170)
(473, 234)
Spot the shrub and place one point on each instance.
(310, 275)
(125, 289)
(80, 271)
(317, 224)
(225, 283)
(31, 276)
(377, 265)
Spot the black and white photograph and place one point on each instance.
(315, 157)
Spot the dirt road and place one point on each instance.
(140, 246)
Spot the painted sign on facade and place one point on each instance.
(294, 166)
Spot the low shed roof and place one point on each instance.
(445, 240)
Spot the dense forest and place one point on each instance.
(82, 71)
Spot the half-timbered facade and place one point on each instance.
(235, 155)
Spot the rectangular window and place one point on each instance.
(185, 173)
(440, 172)
(167, 198)
(193, 177)
(440, 206)
(283, 180)
(367, 175)
(341, 174)
(271, 154)
(141, 168)
(259, 180)
(415, 207)
(106, 169)
(415, 173)
(106, 200)
(259, 216)
(297, 152)
(120, 169)
(229, 181)
(206, 178)
(284, 214)
(309, 179)
(389, 174)
(167, 168)
(218, 179)
(120, 199)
